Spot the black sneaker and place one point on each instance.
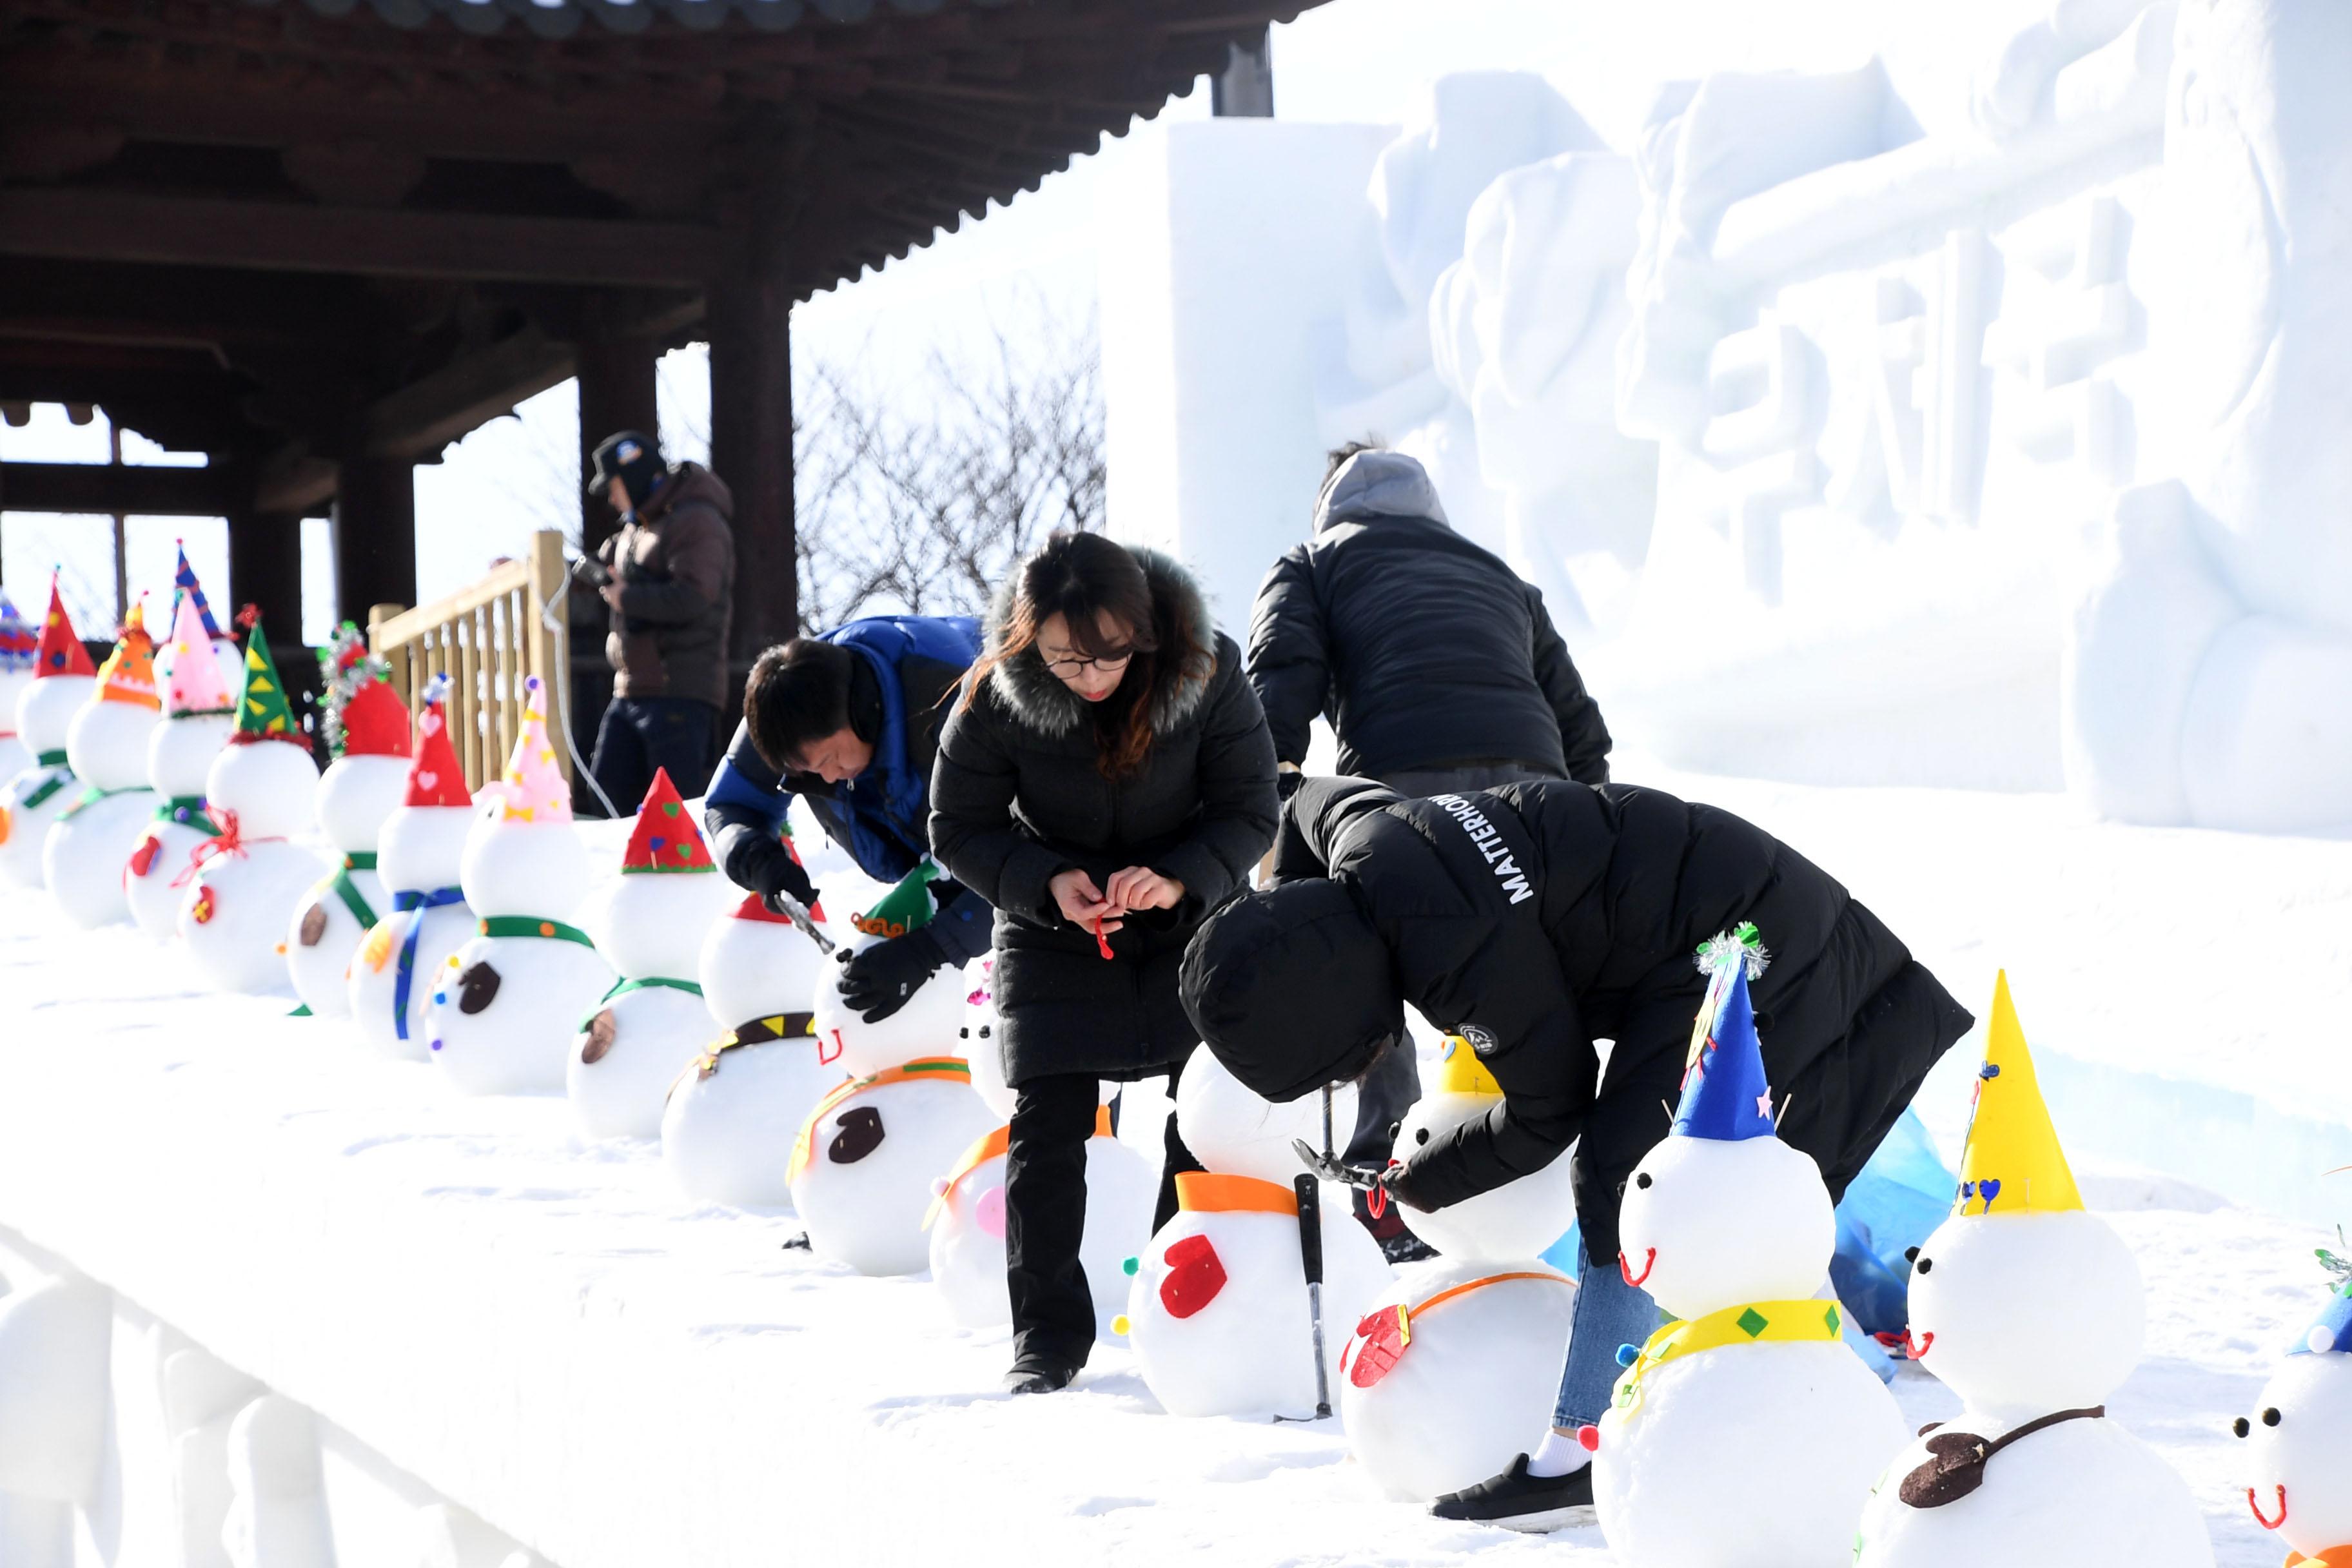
(1405, 1248)
(1517, 1500)
(1039, 1377)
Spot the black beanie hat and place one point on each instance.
(1292, 988)
(631, 458)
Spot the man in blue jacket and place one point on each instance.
(850, 720)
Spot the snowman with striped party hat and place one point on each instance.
(228, 659)
(16, 645)
(1745, 1434)
(633, 1044)
(764, 1070)
(505, 1006)
(242, 886)
(37, 795)
(199, 716)
(84, 859)
(367, 729)
(2031, 1309)
(397, 963)
(2298, 1440)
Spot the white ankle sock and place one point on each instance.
(1556, 1457)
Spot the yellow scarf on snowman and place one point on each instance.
(1812, 1321)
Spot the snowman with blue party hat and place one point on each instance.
(1743, 1434)
(2298, 1442)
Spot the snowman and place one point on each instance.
(366, 727)
(85, 857)
(926, 1024)
(242, 887)
(63, 680)
(720, 1128)
(2299, 1443)
(2031, 1309)
(1452, 1368)
(1218, 1312)
(1744, 1436)
(505, 1006)
(417, 858)
(16, 646)
(199, 714)
(862, 1168)
(633, 1045)
(978, 1040)
(228, 659)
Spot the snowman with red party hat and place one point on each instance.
(765, 1069)
(37, 796)
(83, 859)
(636, 1041)
(418, 855)
(505, 1006)
(367, 729)
(17, 642)
(260, 792)
(199, 716)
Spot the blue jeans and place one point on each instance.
(1609, 1314)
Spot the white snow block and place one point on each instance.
(277, 1514)
(54, 1339)
(202, 1397)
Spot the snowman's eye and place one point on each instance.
(1420, 1135)
(2240, 1426)
(1922, 1265)
(1643, 1181)
(963, 1034)
(2271, 1416)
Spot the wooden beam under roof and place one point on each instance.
(103, 488)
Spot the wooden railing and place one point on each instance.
(486, 637)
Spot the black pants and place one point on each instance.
(1045, 1215)
(639, 735)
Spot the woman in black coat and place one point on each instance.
(1106, 780)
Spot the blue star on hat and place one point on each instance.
(1726, 1095)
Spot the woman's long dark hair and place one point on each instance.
(1075, 577)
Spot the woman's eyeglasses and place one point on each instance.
(1106, 663)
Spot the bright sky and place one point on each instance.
(1361, 60)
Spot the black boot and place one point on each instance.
(1517, 1500)
(1033, 1375)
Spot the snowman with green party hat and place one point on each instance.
(199, 716)
(84, 858)
(931, 1020)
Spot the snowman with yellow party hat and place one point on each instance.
(83, 859)
(199, 716)
(63, 680)
(2031, 1309)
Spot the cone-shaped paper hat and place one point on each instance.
(2331, 1333)
(433, 776)
(1464, 1073)
(2011, 1161)
(375, 722)
(535, 790)
(906, 907)
(17, 642)
(196, 684)
(128, 673)
(1726, 1095)
(183, 582)
(358, 713)
(60, 652)
(262, 713)
(664, 837)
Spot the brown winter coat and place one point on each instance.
(676, 564)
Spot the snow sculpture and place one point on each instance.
(418, 855)
(16, 645)
(199, 716)
(277, 1512)
(83, 857)
(53, 1389)
(39, 793)
(201, 1398)
(929, 1022)
(862, 1168)
(367, 734)
(2299, 1440)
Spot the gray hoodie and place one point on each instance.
(1377, 484)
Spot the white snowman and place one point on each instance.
(418, 855)
(862, 1168)
(63, 680)
(978, 1042)
(652, 1023)
(1453, 1369)
(366, 727)
(16, 645)
(2031, 1309)
(926, 1026)
(199, 715)
(2299, 1443)
(1218, 1311)
(260, 792)
(228, 659)
(506, 1005)
(1745, 1434)
(84, 860)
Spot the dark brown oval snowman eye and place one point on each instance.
(2240, 1426)
(477, 989)
(598, 1038)
(1922, 1265)
(857, 1134)
(1643, 1181)
(1420, 1135)
(2271, 1416)
(314, 924)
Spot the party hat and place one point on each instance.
(60, 652)
(187, 589)
(262, 713)
(433, 776)
(1464, 1073)
(374, 722)
(906, 907)
(2011, 1161)
(128, 673)
(1726, 1095)
(359, 713)
(535, 790)
(664, 837)
(196, 687)
(17, 643)
(2331, 1331)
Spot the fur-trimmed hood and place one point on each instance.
(1037, 697)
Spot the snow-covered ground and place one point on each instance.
(547, 1334)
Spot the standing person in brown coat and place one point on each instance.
(670, 584)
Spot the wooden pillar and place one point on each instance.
(375, 536)
(264, 569)
(750, 320)
(617, 392)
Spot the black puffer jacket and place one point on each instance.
(1424, 650)
(1537, 917)
(1016, 799)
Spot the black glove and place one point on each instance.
(779, 873)
(1397, 1181)
(879, 980)
(1286, 783)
